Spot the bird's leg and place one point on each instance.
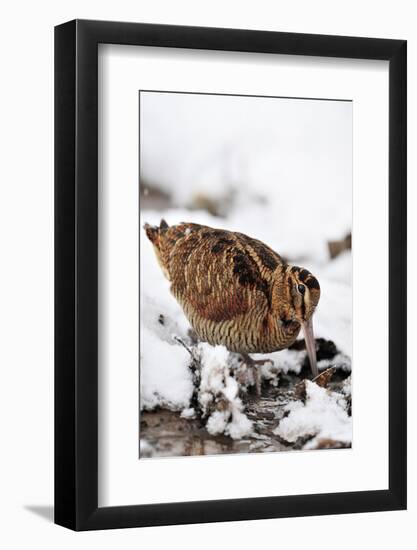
(253, 365)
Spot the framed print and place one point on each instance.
(230, 253)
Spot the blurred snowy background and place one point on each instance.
(279, 170)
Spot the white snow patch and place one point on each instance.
(188, 413)
(333, 317)
(323, 416)
(165, 378)
(339, 361)
(217, 422)
(285, 361)
(218, 394)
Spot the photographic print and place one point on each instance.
(245, 274)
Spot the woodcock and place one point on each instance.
(235, 290)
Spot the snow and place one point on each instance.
(280, 171)
(333, 317)
(323, 416)
(271, 157)
(218, 394)
(339, 361)
(165, 378)
(188, 413)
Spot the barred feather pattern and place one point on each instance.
(234, 290)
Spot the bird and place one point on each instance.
(235, 290)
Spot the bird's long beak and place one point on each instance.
(310, 345)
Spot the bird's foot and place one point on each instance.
(255, 375)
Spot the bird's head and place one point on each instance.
(302, 294)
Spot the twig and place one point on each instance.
(180, 341)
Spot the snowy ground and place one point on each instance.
(167, 377)
(295, 205)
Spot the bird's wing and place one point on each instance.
(216, 275)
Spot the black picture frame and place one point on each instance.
(76, 272)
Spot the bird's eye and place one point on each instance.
(301, 289)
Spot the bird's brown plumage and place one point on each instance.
(234, 290)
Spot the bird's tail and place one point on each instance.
(154, 234)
